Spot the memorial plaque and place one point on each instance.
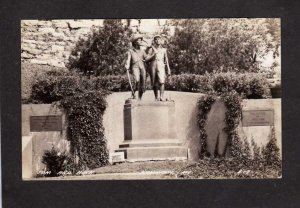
(258, 118)
(45, 123)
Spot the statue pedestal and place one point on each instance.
(150, 132)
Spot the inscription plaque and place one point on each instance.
(45, 123)
(258, 118)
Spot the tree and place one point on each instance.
(104, 51)
(207, 45)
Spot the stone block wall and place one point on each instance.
(49, 42)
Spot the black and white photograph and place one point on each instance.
(151, 99)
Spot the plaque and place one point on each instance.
(258, 118)
(45, 123)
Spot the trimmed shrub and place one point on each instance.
(248, 85)
(29, 74)
(189, 83)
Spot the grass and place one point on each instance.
(138, 167)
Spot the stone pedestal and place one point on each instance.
(150, 132)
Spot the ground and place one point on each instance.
(203, 169)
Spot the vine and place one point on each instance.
(232, 102)
(204, 106)
(85, 130)
(84, 104)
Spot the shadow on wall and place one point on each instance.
(192, 134)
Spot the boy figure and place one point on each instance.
(158, 61)
(135, 62)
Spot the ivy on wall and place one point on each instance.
(204, 106)
(233, 114)
(232, 102)
(241, 153)
(85, 129)
(84, 106)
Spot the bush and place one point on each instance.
(189, 83)
(104, 52)
(271, 153)
(53, 86)
(248, 85)
(55, 161)
(29, 73)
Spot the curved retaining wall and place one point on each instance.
(186, 120)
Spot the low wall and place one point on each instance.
(186, 120)
(35, 143)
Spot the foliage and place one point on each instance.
(85, 128)
(207, 45)
(104, 51)
(114, 83)
(226, 168)
(29, 73)
(244, 161)
(55, 161)
(233, 114)
(204, 106)
(271, 153)
(189, 83)
(248, 85)
(84, 105)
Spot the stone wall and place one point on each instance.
(50, 42)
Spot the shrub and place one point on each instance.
(29, 73)
(104, 52)
(55, 161)
(270, 152)
(248, 85)
(189, 83)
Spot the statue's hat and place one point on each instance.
(136, 37)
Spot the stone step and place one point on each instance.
(134, 154)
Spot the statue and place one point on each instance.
(157, 56)
(135, 63)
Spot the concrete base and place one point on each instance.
(150, 132)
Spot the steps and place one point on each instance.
(145, 150)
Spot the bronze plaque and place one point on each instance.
(258, 118)
(45, 123)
